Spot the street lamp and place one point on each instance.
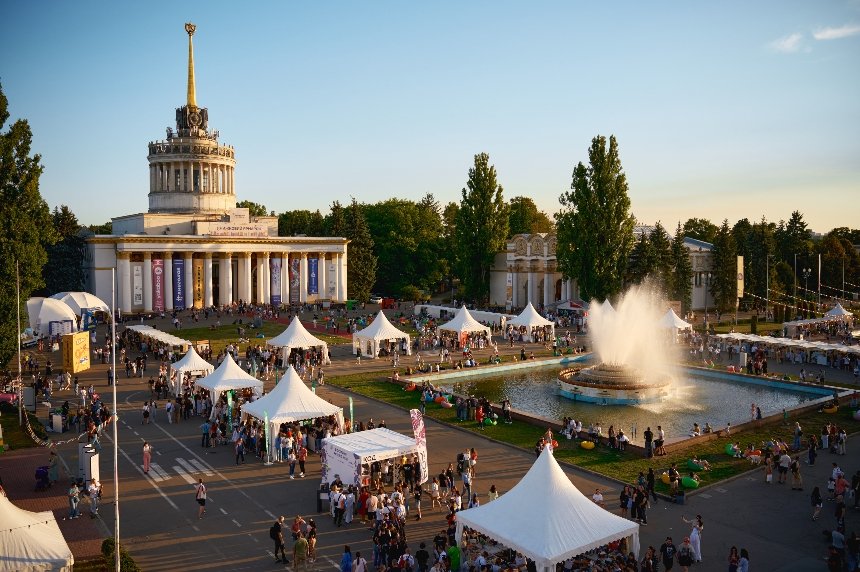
(806, 273)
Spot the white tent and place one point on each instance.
(380, 330)
(607, 306)
(671, 320)
(838, 312)
(79, 301)
(562, 522)
(191, 363)
(529, 318)
(229, 376)
(344, 455)
(49, 316)
(297, 336)
(464, 323)
(31, 540)
(159, 335)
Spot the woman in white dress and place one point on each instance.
(349, 506)
(696, 536)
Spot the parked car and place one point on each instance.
(375, 299)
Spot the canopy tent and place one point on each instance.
(606, 305)
(31, 540)
(562, 521)
(297, 336)
(49, 316)
(837, 311)
(671, 320)
(570, 306)
(345, 455)
(788, 342)
(380, 330)
(529, 318)
(159, 335)
(464, 323)
(191, 363)
(229, 376)
(80, 301)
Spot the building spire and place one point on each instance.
(192, 91)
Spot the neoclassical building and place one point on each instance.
(527, 271)
(194, 248)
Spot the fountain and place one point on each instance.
(633, 367)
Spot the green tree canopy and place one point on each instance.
(595, 226)
(661, 246)
(360, 260)
(335, 222)
(64, 271)
(724, 285)
(481, 228)
(700, 229)
(526, 218)
(301, 222)
(254, 209)
(680, 286)
(105, 228)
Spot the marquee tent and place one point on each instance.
(606, 305)
(229, 376)
(297, 336)
(49, 316)
(344, 455)
(837, 311)
(80, 301)
(159, 335)
(380, 330)
(31, 540)
(529, 318)
(562, 522)
(671, 320)
(464, 323)
(191, 363)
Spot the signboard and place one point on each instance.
(294, 280)
(137, 285)
(158, 285)
(275, 272)
(76, 352)
(313, 269)
(239, 215)
(178, 283)
(740, 276)
(421, 441)
(198, 282)
(248, 229)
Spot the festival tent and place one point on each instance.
(562, 522)
(31, 540)
(191, 363)
(159, 335)
(671, 320)
(607, 306)
(380, 330)
(345, 454)
(229, 376)
(297, 336)
(80, 301)
(837, 312)
(529, 318)
(49, 316)
(464, 323)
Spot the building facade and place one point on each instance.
(194, 248)
(702, 262)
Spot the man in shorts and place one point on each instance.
(201, 499)
(784, 463)
(300, 552)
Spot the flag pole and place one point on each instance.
(115, 422)
(18, 310)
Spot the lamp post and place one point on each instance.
(795, 275)
(806, 273)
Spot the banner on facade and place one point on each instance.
(331, 278)
(421, 441)
(509, 292)
(740, 276)
(158, 285)
(313, 270)
(178, 283)
(275, 271)
(294, 280)
(198, 282)
(137, 285)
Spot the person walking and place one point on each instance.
(650, 480)
(204, 442)
(302, 456)
(300, 553)
(201, 498)
(147, 456)
(796, 479)
(667, 553)
(817, 503)
(74, 500)
(685, 555)
(240, 451)
(346, 560)
(744, 563)
(276, 533)
(734, 559)
(696, 536)
(94, 489)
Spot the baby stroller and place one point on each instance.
(42, 480)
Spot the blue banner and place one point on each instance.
(179, 283)
(313, 272)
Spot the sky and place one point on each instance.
(721, 110)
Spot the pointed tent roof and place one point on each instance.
(606, 305)
(381, 329)
(291, 400)
(78, 301)
(671, 320)
(31, 540)
(562, 521)
(192, 361)
(530, 318)
(296, 336)
(837, 311)
(228, 376)
(464, 322)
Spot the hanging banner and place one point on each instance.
(275, 264)
(294, 280)
(313, 268)
(351, 416)
(509, 291)
(421, 442)
(137, 285)
(331, 277)
(178, 283)
(740, 276)
(198, 282)
(158, 285)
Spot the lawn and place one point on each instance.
(221, 336)
(15, 436)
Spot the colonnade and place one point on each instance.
(178, 176)
(527, 285)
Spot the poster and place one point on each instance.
(313, 268)
(331, 277)
(76, 352)
(509, 291)
(294, 280)
(178, 283)
(275, 272)
(421, 442)
(158, 285)
(198, 282)
(740, 276)
(137, 285)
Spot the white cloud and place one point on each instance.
(836, 33)
(787, 44)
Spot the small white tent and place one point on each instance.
(837, 311)
(80, 301)
(31, 540)
(380, 330)
(529, 318)
(49, 316)
(562, 521)
(464, 323)
(229, 376)
(671, 320)
(191, 363)
(297, 336)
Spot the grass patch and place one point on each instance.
(15, 436)
(229, 334)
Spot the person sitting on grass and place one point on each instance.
(702, 463)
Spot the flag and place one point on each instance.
(421, 441)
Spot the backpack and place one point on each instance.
(273, 532)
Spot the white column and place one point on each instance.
(189, 280)
(207, 280)
(232, 180)
(303, 278)
(245, 290)
(515, 284)
(226, 272)
(123, 264)
(267, 280)
(168, 281)
(341, 277)
(322, 276)
(548, 288)
(532, 292)
(147, 282)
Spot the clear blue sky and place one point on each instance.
(722, 110)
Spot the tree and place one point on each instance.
(793, 239)
(482, 228)
(661, 248)
(681, 287)
(724, 285)
(595, 227)
(700, 229)
(106, 228)
(25, 225)
(335, 222)
(254, 209)
(65, 269)
(449, 242)
(641, 262)
(360, 260)
(301, 222)
(525, 218)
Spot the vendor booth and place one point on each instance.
(229, 376)
(296, 336)
(31, 541)
(562, 522)
(529, 321)
(670, 321)
(191, 363)
(155, 335)
(351, 455)
(379, 335)
(464, 324)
